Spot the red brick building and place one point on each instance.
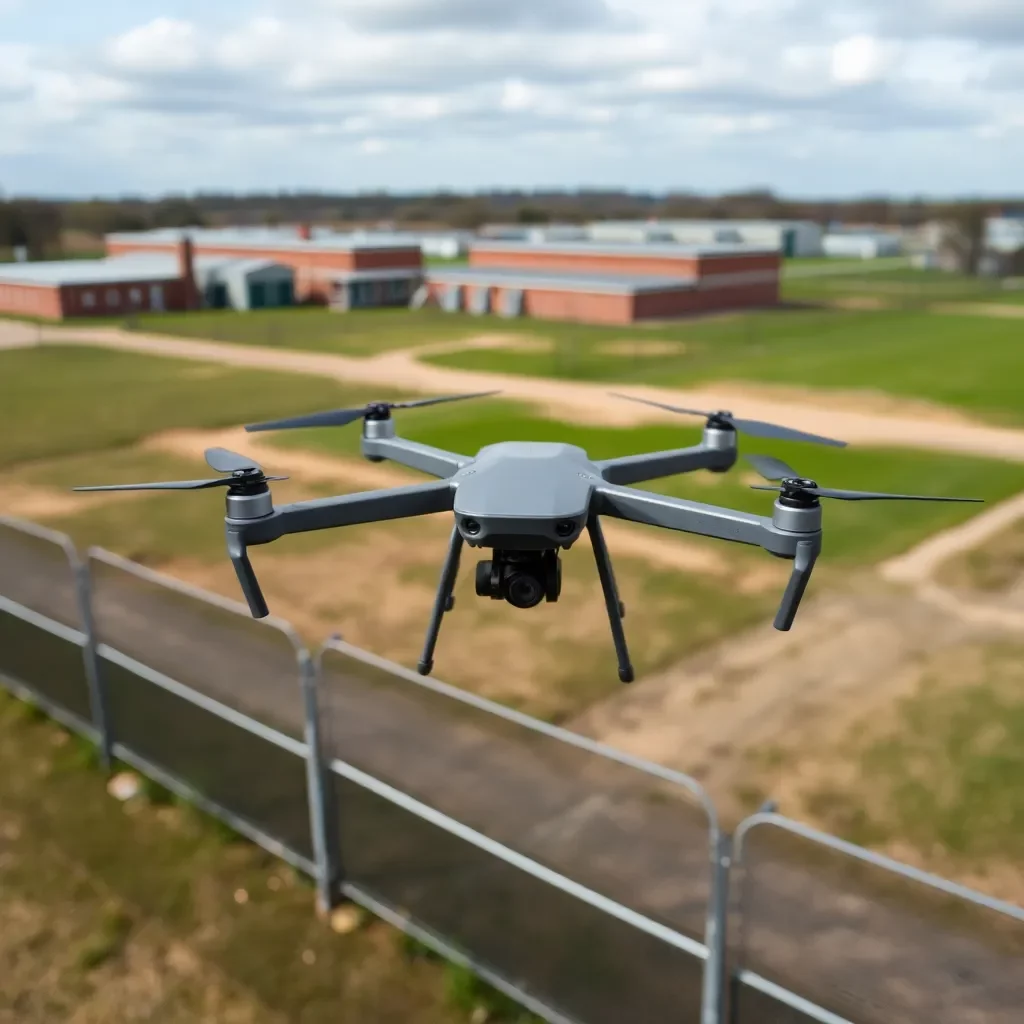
(58, 289)
(616, 284)
(347, 271)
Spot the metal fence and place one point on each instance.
(591, 886)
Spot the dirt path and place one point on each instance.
(583, 402)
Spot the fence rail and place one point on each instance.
(591, 886)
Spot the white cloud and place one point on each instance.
(164, 44)
(860, 59)
(656, 93)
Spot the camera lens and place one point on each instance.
(471, 526)
(564, 528)
(523, 590)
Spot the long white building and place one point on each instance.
(790, 237)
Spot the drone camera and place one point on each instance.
(522, 578)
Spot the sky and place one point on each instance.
(811, 98)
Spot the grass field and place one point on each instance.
(359, 332)
(965, 361)
(61, 400)
(149, 911)
(942, 771)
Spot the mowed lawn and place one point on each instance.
(57, 401)
(970, 362)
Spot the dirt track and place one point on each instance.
(927, 427)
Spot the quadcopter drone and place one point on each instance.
(529, 501)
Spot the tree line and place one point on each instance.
(39, 225)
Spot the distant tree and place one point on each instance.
(177, 212)
(33, 224)
(532, 215)
(469, 213)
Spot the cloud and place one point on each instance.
(558, 90)
(472, 15)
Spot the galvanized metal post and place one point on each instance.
(716, 967)
(322, 818)
(93, 676)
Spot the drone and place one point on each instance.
(526, 502)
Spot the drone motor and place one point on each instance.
(523, 578)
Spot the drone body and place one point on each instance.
(527, 502)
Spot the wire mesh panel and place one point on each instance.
(41, 638)
(37, 571)
(637, 841)
(207, 695)
(258, 781)
(206, 642)
(864, 939)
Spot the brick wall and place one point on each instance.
(313, 267)
(572, 262)
(30, 300)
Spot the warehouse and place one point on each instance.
(58, 289)
(615, 284)
(863, 245)
(792, 238)
(316, 256)
(142, 283)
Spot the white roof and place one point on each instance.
(112, 270)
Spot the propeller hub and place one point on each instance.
(378, 411)
(798, 484)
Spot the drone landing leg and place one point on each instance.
(611, 597)
(442, 603)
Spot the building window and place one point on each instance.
(88, 300)
(113, 297)
(135, 296)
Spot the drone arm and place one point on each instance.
(632, 469)
(726, 524)
(435, 461)
(350, 510)
(680, 514)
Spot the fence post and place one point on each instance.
(94, 679)
(321, 804)
(716, 967)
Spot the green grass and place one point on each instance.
(993, 567)
(59, 400)
(856, 532)
(944, 771)
(359, 332)
(968, 362)
(118, 912)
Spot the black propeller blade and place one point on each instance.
(792, 483)
(243, 472)
(755, 428)
(342, 417)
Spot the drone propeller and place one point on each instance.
(795, 485)
(755, 428)
(244, 472)
(372, 410)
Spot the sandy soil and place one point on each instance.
(588, 403)
(642, 347)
